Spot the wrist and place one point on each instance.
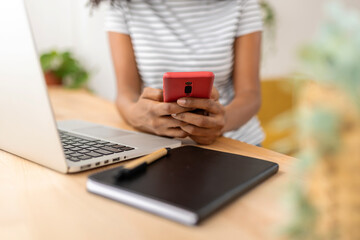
(125, 108)
(131, 115)
(231, 116)
(226, 122)
(240, 111)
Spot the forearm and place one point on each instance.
(243, 107)
(128, 79)
(247, 100)
(124, 102)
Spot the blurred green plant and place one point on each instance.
(269, 17)
(332, 59)
(64, 66)
(269, 29)
(334, 56)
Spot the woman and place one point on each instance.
(149, 38)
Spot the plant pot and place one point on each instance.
(51, 79)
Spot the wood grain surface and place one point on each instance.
(38, 203)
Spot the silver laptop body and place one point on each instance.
(27, 125)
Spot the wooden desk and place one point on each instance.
(38, 203)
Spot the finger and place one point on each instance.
(200, 103)
(167, 126)
(163, 109)
(215, 94)
(161, 123)
(175, 132)
(201, 132)
(203, 140)
(196, 119)
(170, 122)
(152, 94)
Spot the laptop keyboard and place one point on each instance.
(79, 148)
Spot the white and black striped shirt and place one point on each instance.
(188, 35)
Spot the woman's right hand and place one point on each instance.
(151, 114)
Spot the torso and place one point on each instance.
(181, 36)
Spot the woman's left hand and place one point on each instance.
(203, 129)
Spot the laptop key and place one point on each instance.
(76, 144)
(127, 148)
(75, 149)
(117, 146)
(94, 154)
(91, 148)
(98, 145)
(84, 157)
(76, 155)
(83, 146)
(84, 151)
(111, 149)
(75, 136)
(109, 144)
(101, 142)
(104, 152)
(74, 159)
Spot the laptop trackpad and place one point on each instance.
(101, 132)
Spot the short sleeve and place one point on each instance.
(115, 19)
(250, 18)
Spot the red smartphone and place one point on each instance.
(187, 84)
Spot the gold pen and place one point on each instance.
(140, 164)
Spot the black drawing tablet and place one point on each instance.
(187, 185)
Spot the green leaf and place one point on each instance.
(66, 67)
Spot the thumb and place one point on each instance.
(215, 94)
(152, 94)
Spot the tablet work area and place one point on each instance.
(42, 203)
(179, 120)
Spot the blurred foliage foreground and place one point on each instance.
(327, 203)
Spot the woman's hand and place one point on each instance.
(151, 115)
(203, 129)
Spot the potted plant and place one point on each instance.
(61, 68)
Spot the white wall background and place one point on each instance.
(67, 24)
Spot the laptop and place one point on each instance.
(27, 125)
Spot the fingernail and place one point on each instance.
(181, 101)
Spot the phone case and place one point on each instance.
(187, 84)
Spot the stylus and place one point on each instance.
(140, 164)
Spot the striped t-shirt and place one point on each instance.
(186, 36)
